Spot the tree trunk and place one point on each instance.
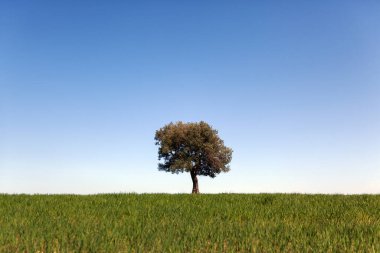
(195, 182)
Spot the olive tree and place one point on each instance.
(192, 147)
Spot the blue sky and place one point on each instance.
(292, 87)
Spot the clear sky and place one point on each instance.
(293, 87)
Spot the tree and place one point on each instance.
(192, 147)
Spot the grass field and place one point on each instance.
(190, 223)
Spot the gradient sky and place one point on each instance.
(293, 87)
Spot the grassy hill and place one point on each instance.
(190, 223)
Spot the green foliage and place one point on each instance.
(166, 223)
(192, 147)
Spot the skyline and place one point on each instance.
(292, 88)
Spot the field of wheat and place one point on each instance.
(190, 223)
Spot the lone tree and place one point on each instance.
(194, 148)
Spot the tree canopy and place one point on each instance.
(192, 147)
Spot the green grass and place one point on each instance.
(188, 223)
